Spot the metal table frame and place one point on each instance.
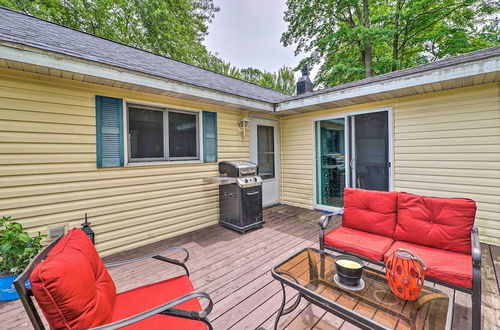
(328, 305)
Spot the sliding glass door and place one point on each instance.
(351, 151)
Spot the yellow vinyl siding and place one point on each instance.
(296, 160)
(446, 144)
(48, 174)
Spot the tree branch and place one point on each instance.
(407, 38)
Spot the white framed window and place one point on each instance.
(161, 134)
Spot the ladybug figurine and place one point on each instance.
(404, 272)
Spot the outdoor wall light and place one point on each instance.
(86, 229)
(243, 124)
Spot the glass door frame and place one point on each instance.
(349, 136)
(317, 164)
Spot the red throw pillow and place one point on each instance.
(370, 211)
(443, 223)
(72, 286)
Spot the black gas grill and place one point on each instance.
(240, 196)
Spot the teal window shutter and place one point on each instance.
(209, 137)
(109, 131)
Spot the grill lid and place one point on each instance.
(239, 163)
(236, 168)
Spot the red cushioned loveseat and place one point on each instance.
(75, 291)
(439, 230)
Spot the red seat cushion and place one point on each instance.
(443, 223)
(370, 211)
(368, 245)
(447, 266)
(141, 299)
(72, 286)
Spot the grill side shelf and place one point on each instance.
(220, 180)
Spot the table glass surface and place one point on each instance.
(314, 270)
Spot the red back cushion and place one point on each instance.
(443, 223)
(370, 211)
(72, 286)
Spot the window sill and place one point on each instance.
(152, 163)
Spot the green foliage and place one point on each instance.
(17, 248)
(173, 28)
(354, 39)
(282, 80)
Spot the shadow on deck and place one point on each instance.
(235, 270)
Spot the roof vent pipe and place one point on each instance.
(304, 84)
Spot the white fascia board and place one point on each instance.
(66, 63)
(457, 71)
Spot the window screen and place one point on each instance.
(182, 134)
(146, 133)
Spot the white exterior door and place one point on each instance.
(264, 151)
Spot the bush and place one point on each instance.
(17, 248)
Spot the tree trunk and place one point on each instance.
(395, 46)
(362, 52)
(367, 41)
(395, 40)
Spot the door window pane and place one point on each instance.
(182, 134)
(372, 151)
(146, 133)
(330, 162)
(265, 151)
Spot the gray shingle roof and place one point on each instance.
(27, 30)
(34, 32)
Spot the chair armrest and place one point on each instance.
(476, 248)
(158, 256)
(324, 220)
(166, 309)
(154, 255)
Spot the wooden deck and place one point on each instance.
(235, 270)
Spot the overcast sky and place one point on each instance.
(247, 34)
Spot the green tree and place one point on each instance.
(355, 39)
(216, 64)
(282, 80)
(173, 28)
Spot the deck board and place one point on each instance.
(235, 270)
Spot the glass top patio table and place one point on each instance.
(311, 272)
